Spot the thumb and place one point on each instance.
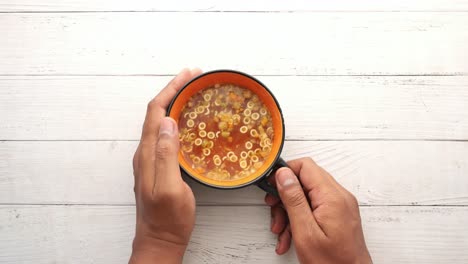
(167, 171)
(293, 198)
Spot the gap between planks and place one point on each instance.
(235, 6)
(255, 75)
(216, 205)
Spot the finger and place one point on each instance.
(279, 219)
(157, 107)
(155, 112)
(294, 201)
(159, 158)
(195, 72)
(271, 200)
(167, 172)
(284, 241)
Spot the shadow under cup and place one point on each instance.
(272, 162)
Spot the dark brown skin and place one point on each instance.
(328, 232)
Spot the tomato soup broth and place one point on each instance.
(226, 132)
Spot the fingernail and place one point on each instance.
(195, 70)
(184, 70)
(286, 177)
(167, 126)
(277, 245)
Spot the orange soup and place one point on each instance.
(226, 132)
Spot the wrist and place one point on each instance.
(153, 250)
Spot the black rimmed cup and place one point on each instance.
(272, 162)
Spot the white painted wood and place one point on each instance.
(89, 108)
(42, 42)
(241, 5)
(100, 234)
(377, 172)
(323, 43)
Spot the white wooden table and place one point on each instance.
(375, 91)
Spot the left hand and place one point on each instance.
(165, 204)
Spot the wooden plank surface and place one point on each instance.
(319, 107)
(241, 5)
(377, 172)
(102, 234)
(325, 43)
(374, 91)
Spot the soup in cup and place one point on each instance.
(231, 130)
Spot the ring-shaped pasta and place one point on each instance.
(206, 151)
(202, 133)
(211, 135)
(253, 133)
(248, 145)
(190, 123)
(243, 163)
(233, 158)
(202, 125)
(254, 158)
(200, 109)
(193, 115)
(244, 155)
(255, 116)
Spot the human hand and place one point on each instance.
(321, 216)
(165, 205)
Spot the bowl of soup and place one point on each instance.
(231, 130)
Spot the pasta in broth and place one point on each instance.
(226, 132)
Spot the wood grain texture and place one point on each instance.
(75, 77)
(319, 107)
(241, 5)
(378, 173)
(102, 234)
(323, 43)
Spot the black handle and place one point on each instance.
(265, 185)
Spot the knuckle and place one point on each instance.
(165, 148)
(294, 198)
(169, 194)
(153, 103)
(308, 160)
(349, 199)
(353, 200)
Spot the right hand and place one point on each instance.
(324, 220)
